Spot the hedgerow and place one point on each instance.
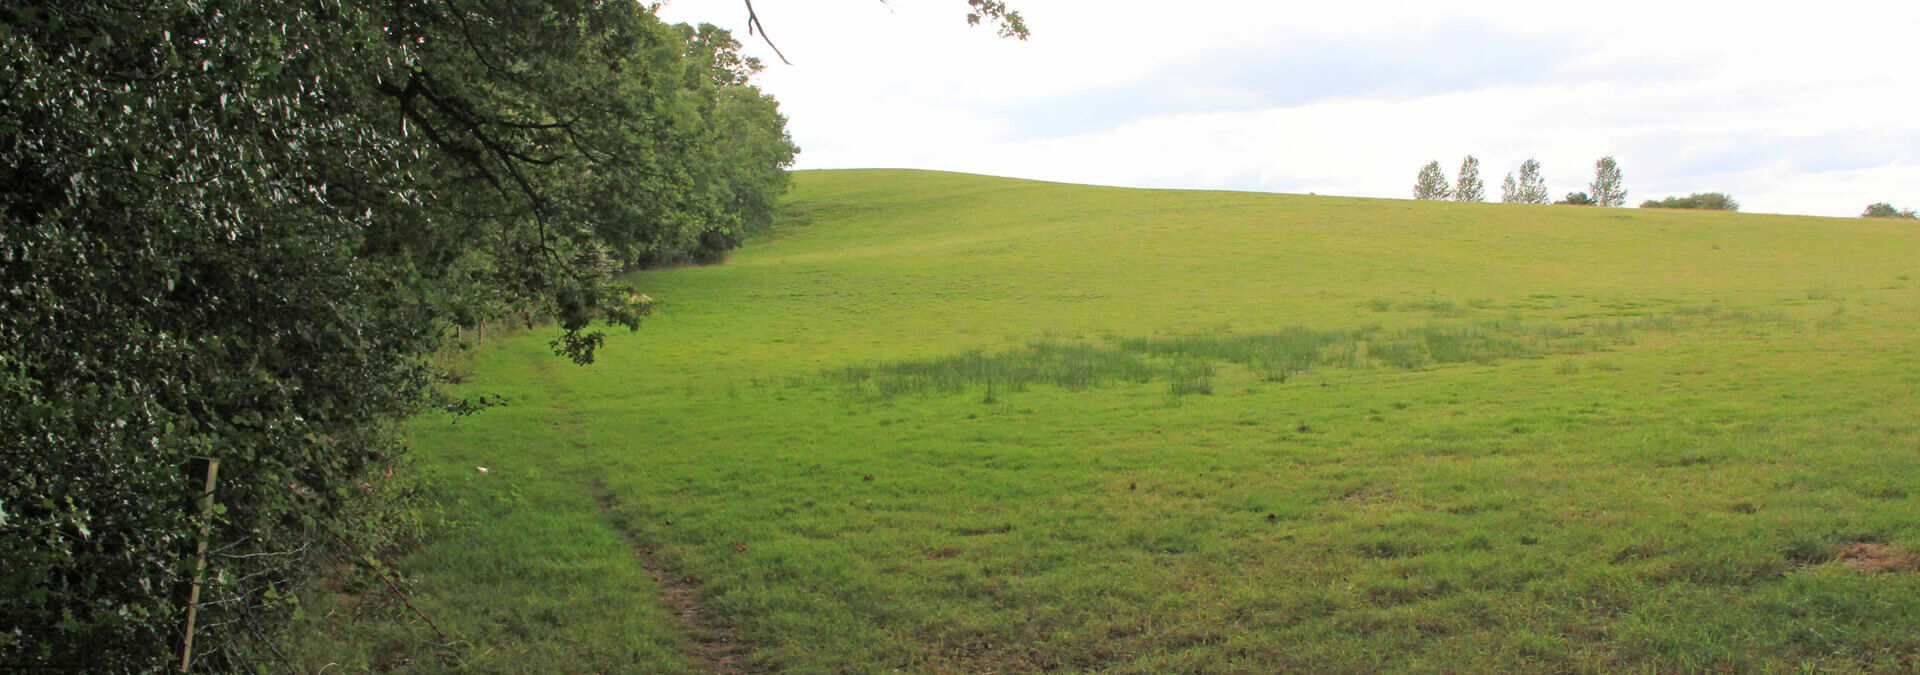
(240, 230)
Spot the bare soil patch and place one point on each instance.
(1874, 558)
(715, 648)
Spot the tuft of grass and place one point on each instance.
(1188, 377)
(1435, 306)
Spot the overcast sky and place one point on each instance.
(1805, 107)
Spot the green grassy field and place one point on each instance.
(962, 423)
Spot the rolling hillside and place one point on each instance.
(952, 422)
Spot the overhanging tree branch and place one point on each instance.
(753, 22)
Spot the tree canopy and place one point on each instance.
(1715, 201)
(1432, 183)
(1530, 188)
(243, 230)
(1607, 187)
(1469, 188)
(240, 230)
(1885, 210)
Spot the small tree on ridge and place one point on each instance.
(1606, 188)
(1432, 183)
(1510, 190)
(1469, 188)
(1533, 187)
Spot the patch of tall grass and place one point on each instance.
(1187, 362)
(1274, 356)
(1069, 366)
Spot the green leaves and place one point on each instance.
(1885, 210)
(242, 230)
(1432, 183)
(1009, 22)
(1607, 187)
(1469, 188)
(1715, 201)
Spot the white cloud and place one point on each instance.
(1789, 108)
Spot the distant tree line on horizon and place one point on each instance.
(1606, 190)
(1529, 186)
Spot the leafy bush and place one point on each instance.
(1716, 201)
(1577, 199)
(1885, 210)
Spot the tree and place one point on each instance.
(750, 147)
(753, 151)
(243, 230)
(1606, 187)
(1533, 187)
(1432, 183)
(1510, 190)
(1577, 199)
(1885, 210)
(1714, 201)
(1469, 188)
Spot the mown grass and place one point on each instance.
(945, 422)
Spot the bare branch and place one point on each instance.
(753, 22)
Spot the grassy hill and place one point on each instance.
(953, 422)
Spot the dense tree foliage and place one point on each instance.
(1531, 188)
(1608, 188)
(1885, 210)
(1432, 183)
(241, 229)
(1578, 199)
(1715, 201)
(750, 148)
(1469, 188)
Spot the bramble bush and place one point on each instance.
(1577, 199)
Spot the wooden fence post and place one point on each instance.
(200, 556)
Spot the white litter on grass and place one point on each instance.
(480, 469)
